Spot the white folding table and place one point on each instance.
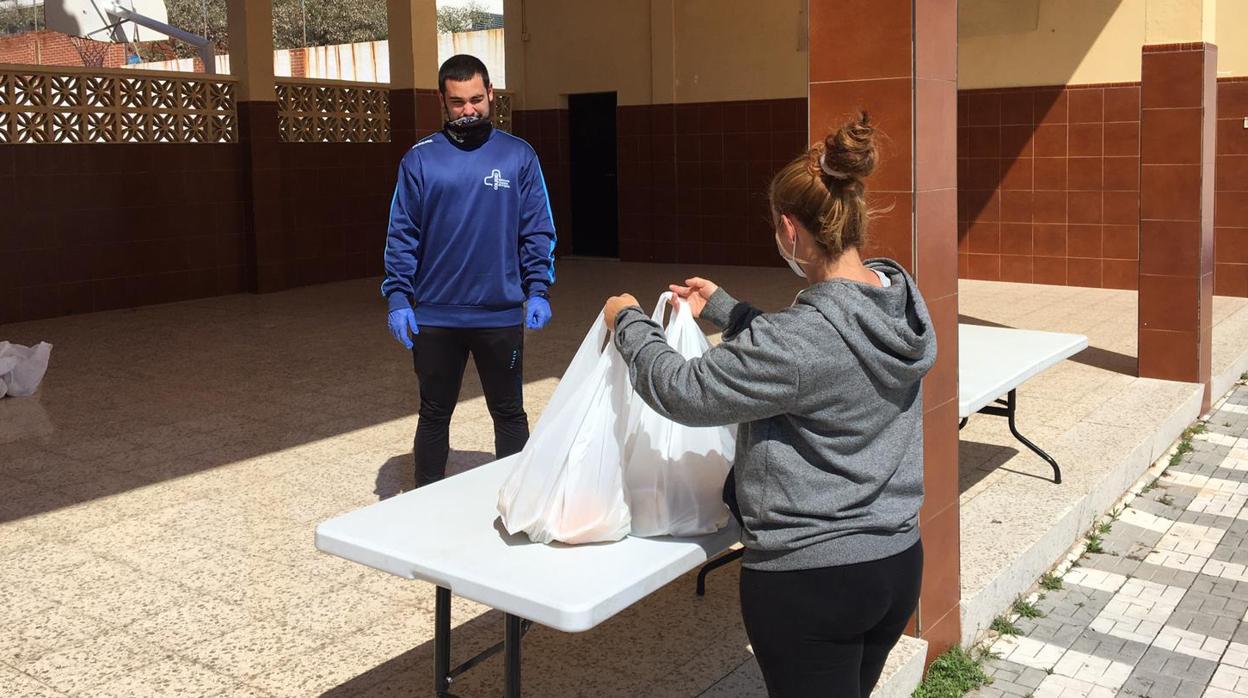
(994, 361)
(449, 534)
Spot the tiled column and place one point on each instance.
(1177, 128)
(898, 60)
(1230, 224)
(413, 38)
(251, 62)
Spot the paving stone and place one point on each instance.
(1222, 523)
(1118, 564)
(1150, 684)
(1166, 575)
(1231, 551)
(1149, 503)
(1093, 643)
(1003, 670)
(1032, 678)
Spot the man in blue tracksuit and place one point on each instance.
(469, 263)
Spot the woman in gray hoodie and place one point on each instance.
(828, 477)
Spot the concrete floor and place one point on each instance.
(161, 491)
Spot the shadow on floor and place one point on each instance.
(633, 653)
(1095, 357)
(977, 460)
(398, 475)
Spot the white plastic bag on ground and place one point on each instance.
(566, 485)
(22, 368)
(673, 474)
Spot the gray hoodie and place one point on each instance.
(827, 393)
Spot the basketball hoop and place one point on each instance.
(90, 51)
(118, 22)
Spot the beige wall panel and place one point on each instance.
(730, 50)
(1050, 42)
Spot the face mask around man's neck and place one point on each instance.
(469, 132)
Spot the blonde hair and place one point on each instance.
(823, 189)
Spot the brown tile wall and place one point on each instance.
(1034, 173)
(190, 229)
(1230, 215)
(1049, 185)
(547, 131)
(335, 204)
(98, 227)
(692, 177)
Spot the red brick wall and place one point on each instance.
(299, 63)
(1230, 215)
(1048, 185)
(51, 48)
(98, 227)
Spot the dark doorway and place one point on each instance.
(595, 196)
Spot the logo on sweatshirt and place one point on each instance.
(495, 179)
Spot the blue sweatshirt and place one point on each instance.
(471, 234)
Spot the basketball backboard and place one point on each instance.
(92, 19)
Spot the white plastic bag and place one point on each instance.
(22, 368)
(566, 485)
(673, 474)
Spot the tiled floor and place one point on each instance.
(1162, 610)
(159, 497)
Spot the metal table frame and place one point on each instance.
(1008, 408)
(515, 628)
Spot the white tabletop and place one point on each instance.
(992, 361)
(448, 533)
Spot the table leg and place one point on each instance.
(716, 564)
(442, 644)
(511, 647)
(1010, 408)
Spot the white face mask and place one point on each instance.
(791, 258)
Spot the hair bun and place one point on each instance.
(849, 152)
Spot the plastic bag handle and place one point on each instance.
(661, 307)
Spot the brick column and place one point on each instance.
(898, 60)
(1177, 126)
(251, 61)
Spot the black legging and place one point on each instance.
(440, 355)
(828, 631)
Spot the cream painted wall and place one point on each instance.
(655, 51)
(576, 46)
(1067, 42)
(1055, 42)
(740, 49)
(1232, 38)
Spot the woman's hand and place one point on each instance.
(614, 305)
(696, 293)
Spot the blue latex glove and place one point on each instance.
(403, 321)
(537, 313)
